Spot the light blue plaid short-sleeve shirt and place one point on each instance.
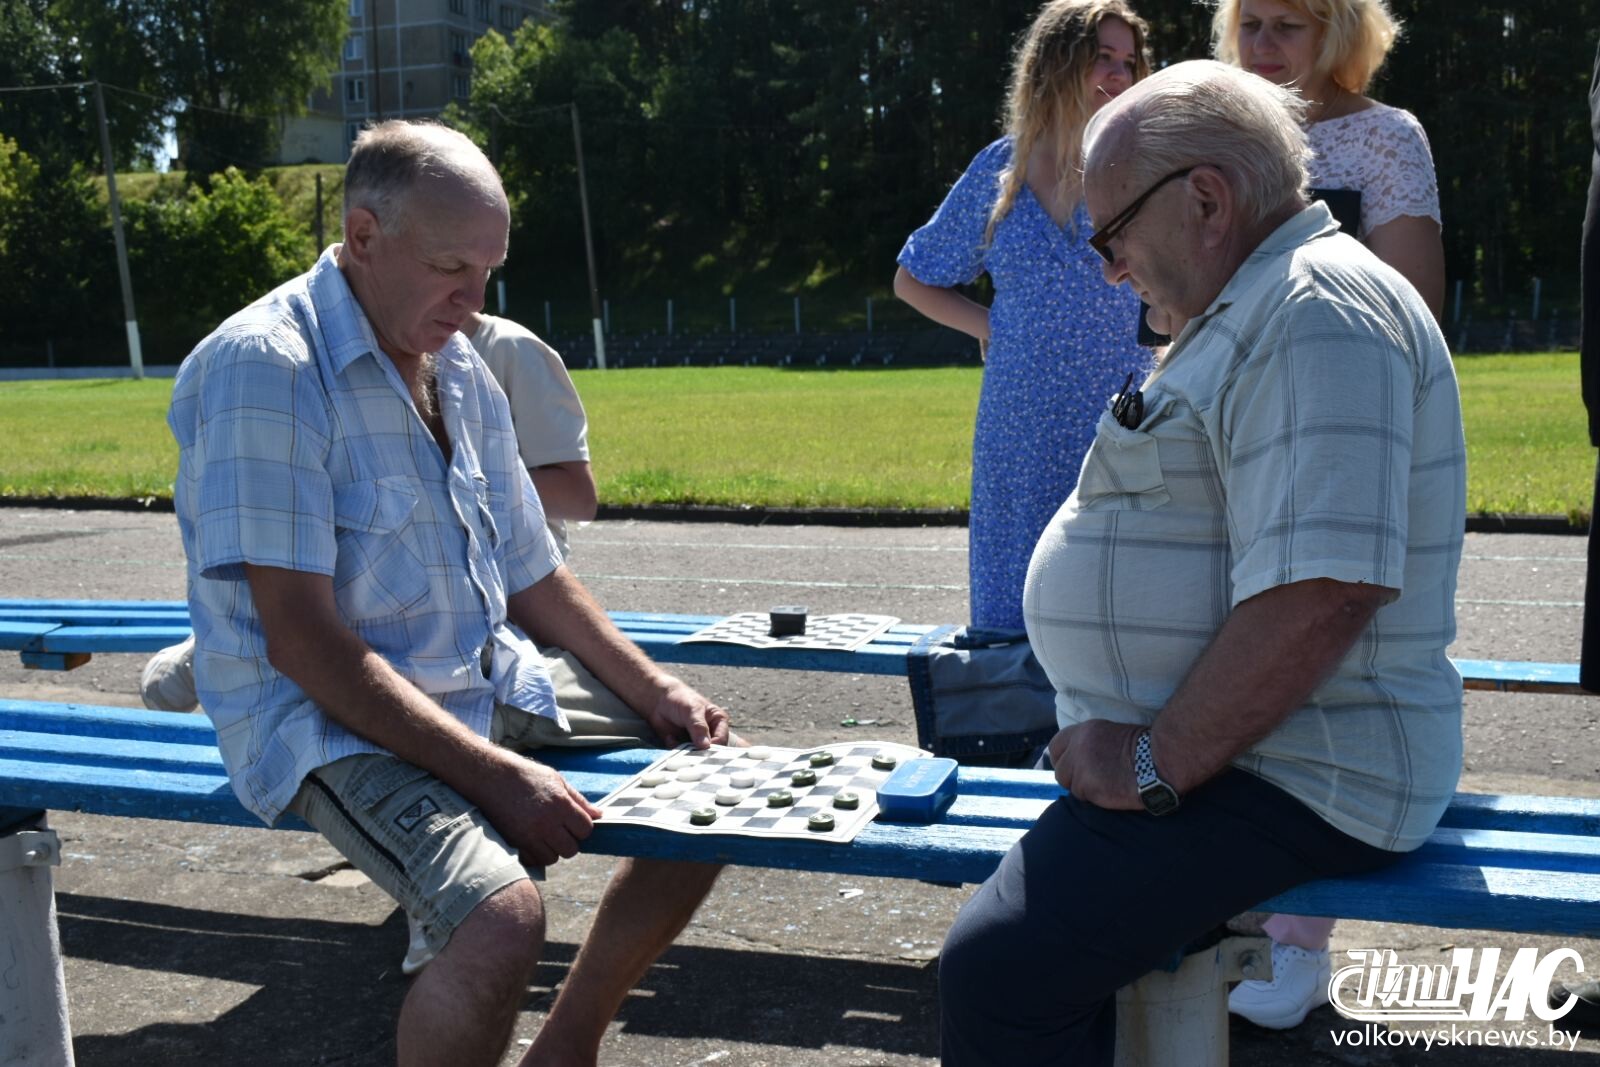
(299, 448)
(1308, 425)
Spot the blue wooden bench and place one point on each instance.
(1512, 863)
(63, 634)
(1517, 863)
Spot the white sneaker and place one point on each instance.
(167, 681)
(1299, 984)
(418, 954)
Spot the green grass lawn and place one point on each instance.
(773, 438)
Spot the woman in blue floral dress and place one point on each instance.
(1058, 340)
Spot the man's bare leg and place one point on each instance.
(646, 906)
(462, 1006)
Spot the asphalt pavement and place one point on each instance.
(190, 944)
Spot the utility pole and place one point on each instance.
(588, 247)
(316, 219)
(135, 356)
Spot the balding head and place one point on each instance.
(394, 160)
(1205, 112)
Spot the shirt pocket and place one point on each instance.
(1122, 471)
(378, 572)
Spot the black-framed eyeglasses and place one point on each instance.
(1128, 408)
(1101, 239)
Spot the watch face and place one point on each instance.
(1159, 799)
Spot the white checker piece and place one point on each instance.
(851, 771)
(844, 633)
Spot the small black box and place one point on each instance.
(788, 620)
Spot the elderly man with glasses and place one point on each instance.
(1244, 606)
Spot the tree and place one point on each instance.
(47, 124)
(55, 255)
(204, 254)
(222, 69)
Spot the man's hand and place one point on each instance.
(539, 812)
(682, 712)
(1094, 761)
(557, 611)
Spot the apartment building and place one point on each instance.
(401, 59)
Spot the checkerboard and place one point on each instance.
(713, 770)
(845, 632)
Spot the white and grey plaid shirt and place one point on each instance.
(1308, 425)
(299, 448)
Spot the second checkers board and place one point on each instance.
(845, 632)
(722, 790)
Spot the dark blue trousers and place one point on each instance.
(1090, 900)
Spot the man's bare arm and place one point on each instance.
(567, 490)
(308, 642)
(558, 611)
(1266, 660)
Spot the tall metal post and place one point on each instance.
(316, 219)
(135, 355)
(588, 246)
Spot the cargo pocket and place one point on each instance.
(378, 572)
(1122, 471)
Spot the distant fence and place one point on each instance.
(1513, 335)
(937, 347)
(930, 347)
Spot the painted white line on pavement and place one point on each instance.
(579, 542)
(689, 580)
(100, 560)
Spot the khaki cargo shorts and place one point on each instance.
(423, 843)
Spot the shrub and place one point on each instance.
(202, 255)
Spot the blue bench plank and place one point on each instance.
(1556, 815)
(67, 616)
(140, 637)
(50, 633)
(95, 720)
(1460, 897)
(1516, 675)
(20, 633)
(1524, 864)
(7, 604)
(87, 627)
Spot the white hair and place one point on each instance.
(388, 161)
(1205, 112)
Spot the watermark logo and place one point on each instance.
(1377, 987)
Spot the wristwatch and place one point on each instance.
(1159, 798)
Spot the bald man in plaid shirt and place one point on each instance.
(364, 547)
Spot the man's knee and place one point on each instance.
(1006, 954)
(504, 932)
(986, 953)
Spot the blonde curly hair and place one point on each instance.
(1047, 91)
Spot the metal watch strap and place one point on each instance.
(1158, 796)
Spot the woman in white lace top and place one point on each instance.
(1329, 50)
